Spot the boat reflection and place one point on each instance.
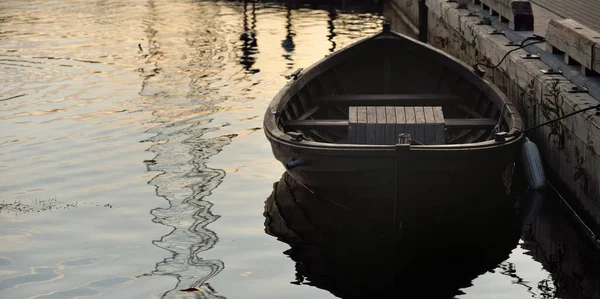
(557, 242)
(352, 255)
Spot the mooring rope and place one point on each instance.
(517, 133)
(535, 38)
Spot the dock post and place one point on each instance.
(423, 15)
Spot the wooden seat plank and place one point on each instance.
(470, 123)
(419, 124)
(352, 124)
(433, 99)
(440, 132)
(410, 121)
(467, 123)
(390, 126)
(381, 125)
(361, 136)
(400, 123)
(429, 126)
(371, 125)
(316, 124)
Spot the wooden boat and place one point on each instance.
(335, 125)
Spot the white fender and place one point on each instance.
(532, 165)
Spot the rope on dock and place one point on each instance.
(536, 40)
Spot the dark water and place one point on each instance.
(133, 164)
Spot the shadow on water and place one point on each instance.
(351, 255)
(557, 242)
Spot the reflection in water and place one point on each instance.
(187, 213)
(351, 256)
(152, 54)
(331, 28)
(185, 179)
(288, 43)
(248, 37)
(571, 258)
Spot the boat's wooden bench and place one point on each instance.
(382, 124)
(418, 99)
(456, 123)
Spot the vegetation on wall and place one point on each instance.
(551, 108)
(581, 174)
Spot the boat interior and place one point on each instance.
(382, 87)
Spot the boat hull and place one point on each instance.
(402, 183)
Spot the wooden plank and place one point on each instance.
(434, 99)
(472, 112)
(519, 13)
(303, 100)
(429, 125)
(419, 124)
(309, 113)
(390, 127)
(320, 136)
(578, 42)
(410, 121)
(361, 136)
(287, 113)
(316, 124)
(596, 61)
(337, 123)
(400, 122)
(381, 124)
(440, 133)
(468, 123)
(471, 123)
(352, 124)
(371, 125)
(295, 109)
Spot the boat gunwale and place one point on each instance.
(281, 99)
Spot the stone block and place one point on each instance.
(518, 13)
(578, 43)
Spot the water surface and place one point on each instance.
(132, 158)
